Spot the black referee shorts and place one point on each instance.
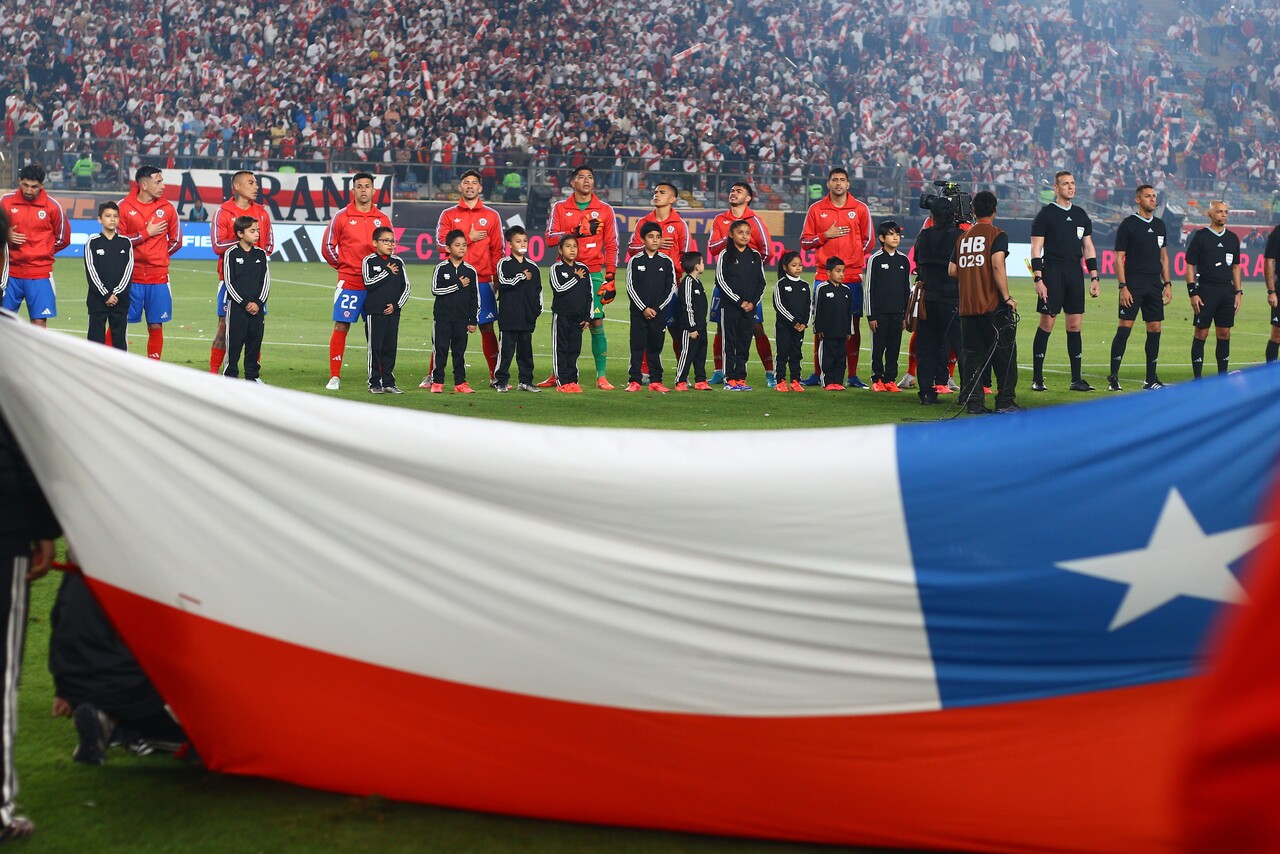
(1066, 291)
(1275, 316)
(1219, 307)
(1148, 296)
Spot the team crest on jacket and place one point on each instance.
(41, 214)
(484, 220)
(671, 229)
(850, 214)
(377, 223)
(595, 214)
(160, 214)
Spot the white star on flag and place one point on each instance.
(1180, 560)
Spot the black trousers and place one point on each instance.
(886, 344)
(566, 338)
(737, 329)
(789, 344)
(937, 335)
(693, 354)
(832, 359)
(383, 332)
(14, 597)
(983, 339)
(116, 319)
(517, 343)
(449, 337)
(244, 333)
(647, 340)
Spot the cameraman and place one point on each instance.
(939, 330)
(987, 325)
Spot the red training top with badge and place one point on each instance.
(760, 240)
(852, 248)
(597, 251)
(150, 254)
(483, 254)
(223, 228)
(45, 226)
(673, 228)
(348, 239)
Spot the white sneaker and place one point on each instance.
(333, 384)
(908, 381)
(259, 381)
(951, 384)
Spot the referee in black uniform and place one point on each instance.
(1061, 235)
(1213, 281)
(1142, 265)
(1271, 255)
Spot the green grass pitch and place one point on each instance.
(295, 355)
(158, 804)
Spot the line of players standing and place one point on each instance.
(838, 226)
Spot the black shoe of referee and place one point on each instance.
(1113, 383)
(1152, 384)
(1038, 385)
(1080, 385)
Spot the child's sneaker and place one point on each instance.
(833, 387)
(782, 386)
(567, 388)
(892, 386)
(879, 386)
(703, 386)
(602, 384)
(796, 386)
(437, 388)
(682, 386)
(942, 389)
(632, 387)
(463, 388)
(659, 388)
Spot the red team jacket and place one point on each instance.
(853, 248)
(597, 252)
(223, 228)
(150, 254)
(47, 231)
(483, 255)
(760, 240)
(347, 240)
(675, 228)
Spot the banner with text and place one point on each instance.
(288, 196)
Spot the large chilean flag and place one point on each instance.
(980, 634)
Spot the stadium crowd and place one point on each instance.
(920, 88)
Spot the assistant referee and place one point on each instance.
(1142, 265)
(1213, 281)
(1061, 235)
